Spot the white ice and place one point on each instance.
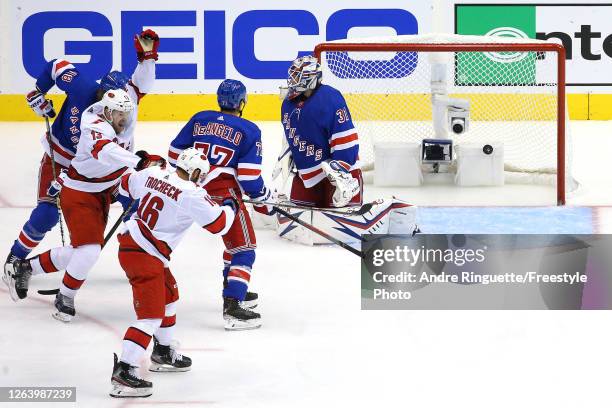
(316, 347)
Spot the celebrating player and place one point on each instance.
(81, 92)
(103, 154)
(233, 147)
(321, 139)
(169, 204)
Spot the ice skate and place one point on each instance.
(17, 274)
(166, 359)
(239, 318)
(125, 382)
(65, 308)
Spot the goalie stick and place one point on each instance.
(106, 239)
(57, 199)
(320, 232)
(350, 211)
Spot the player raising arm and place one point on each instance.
(322, 140)
(81, 91)
(233, 147)
(169, 204)
(103, 156)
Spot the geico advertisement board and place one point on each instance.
(584, 29)
(202, 42)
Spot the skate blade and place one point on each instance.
(8, 280)
(249, 304)
(167, 368)
(62, 317)
(235, 325)
(123, 391)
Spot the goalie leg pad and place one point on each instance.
(387, 216)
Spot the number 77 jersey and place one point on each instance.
(231, 144)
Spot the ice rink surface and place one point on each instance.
(316, 347)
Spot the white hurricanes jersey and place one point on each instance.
(168, 206)
(102, 156)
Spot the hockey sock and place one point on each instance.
(137, 339)
(227, 260)
(165, 332)
(82, 260)
(53, 260)
(42, 219)
(239, 275)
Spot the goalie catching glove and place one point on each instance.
(346, 185)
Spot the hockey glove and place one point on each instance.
(232, 203)
(148, 160)
(267, 196)
(56, 185)
(146, 44)
(347, 187)
(39, 104)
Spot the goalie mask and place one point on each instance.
(192, 159)
(304, 74)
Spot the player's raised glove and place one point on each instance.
(146, 44)
(346, 185)
(56, 185)
(267, 196)
(148, 160)
(39, 104)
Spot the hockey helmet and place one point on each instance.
(232, 95)
(304, 74)
(114, 80)
(117, 100)
(192, 159)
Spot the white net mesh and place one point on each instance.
(512, 97)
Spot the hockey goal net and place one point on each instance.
(515, 90)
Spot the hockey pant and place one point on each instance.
(154, 293)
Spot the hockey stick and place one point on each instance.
(117, 223)
(57, 199)
(349, 212)
(320, 232)
(106, 239)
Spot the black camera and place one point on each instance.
(437, 151)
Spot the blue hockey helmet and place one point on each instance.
(114, 80)
(304, 74)
(232, 95)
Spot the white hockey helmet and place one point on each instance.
(304, 74)
(117, 99)
(192, 159)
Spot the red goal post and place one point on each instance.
(559, 50)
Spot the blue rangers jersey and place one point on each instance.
(317, 129)
(232, 145)
(80, 93)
